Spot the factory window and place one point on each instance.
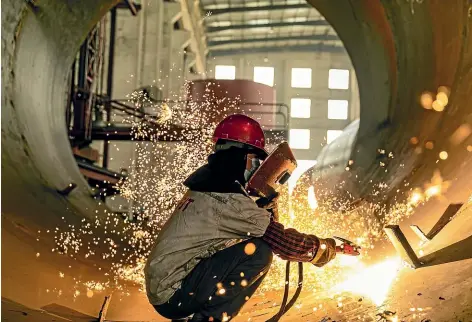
(296, 19)
(258, 21)
(338, 79)
(264, 75)
(301, 77)
(299, 139)
(225, 72)
(331, 135)
(300, 107)
(337, 109)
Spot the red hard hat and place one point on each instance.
(240, 128)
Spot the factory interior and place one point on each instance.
(109, 105)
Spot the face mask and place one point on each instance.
(255, 164)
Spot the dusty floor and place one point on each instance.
(413, 297)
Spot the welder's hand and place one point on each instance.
(326, 252)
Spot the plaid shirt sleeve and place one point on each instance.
(289, 244)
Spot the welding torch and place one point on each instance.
(347, 247)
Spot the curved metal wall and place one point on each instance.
(334, 162)
(38, 47)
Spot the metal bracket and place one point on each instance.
(103, 311)
(133, 7)
(402, 246)
(446, 217)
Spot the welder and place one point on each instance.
(216, 248)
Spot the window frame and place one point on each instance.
(346, 106)
(264, 67)
(234, 69)
(293, 78)
(300, 99)
(337, 87)
(298, 147)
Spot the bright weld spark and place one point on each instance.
(372, 281)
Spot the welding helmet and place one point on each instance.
(240, 131)
(274, 171)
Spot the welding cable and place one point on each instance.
(298, 290)
(284, 307)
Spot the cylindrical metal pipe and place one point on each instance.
(71, 95)
(79, 107)
(160, 29)
(111, 59)
(138, 84)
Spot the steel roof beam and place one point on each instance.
(131, 5)
(213, 43)
(277, 49)
(211, 29)
(220, 11)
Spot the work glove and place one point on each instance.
(269, 204)
(325, 253)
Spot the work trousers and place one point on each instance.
(220, 285)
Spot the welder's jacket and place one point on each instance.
(202, 224)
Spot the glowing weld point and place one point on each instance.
(373, 281)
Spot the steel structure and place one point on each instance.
(85, 100)
(246, 27)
